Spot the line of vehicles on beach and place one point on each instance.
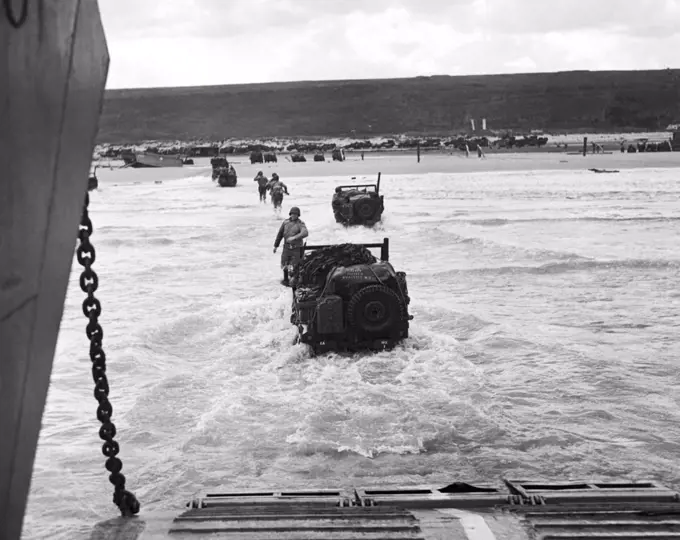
(178, 155)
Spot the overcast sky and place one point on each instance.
(206, 42)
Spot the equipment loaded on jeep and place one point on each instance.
(355, 206)
(344, 299)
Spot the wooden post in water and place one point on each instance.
(53, 66)
(418, 151)
(585, 145)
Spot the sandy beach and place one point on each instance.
(438, 163)
(403, 163)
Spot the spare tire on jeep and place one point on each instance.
(344, 299)
(357, 205)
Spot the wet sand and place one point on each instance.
(403, 163)
(444, 163)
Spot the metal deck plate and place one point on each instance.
(511, 510)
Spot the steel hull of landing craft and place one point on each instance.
(141, 160)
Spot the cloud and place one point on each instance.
(542, 16)
(521, 64)
(200, 42)
(404, 44)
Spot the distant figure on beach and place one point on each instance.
(467, 150)
(480, 153)
(597, 149)
(276, 190)
(262, 182)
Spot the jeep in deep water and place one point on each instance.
(356, 205)
(227, 177)
(344, 299)
(223, 172)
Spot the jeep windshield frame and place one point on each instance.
(375, 186)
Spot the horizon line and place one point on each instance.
(352, 80)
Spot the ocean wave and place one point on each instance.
(441, 236)
(499, 222)
(571, 265)
(132, 242)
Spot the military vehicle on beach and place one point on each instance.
(344, 299)
(675, 141)
(258, 156)
(357, 204)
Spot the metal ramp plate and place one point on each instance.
(513, 510)
(603, 522)
(299, 521)
(457, 495)
(322, 497)
(591, 492)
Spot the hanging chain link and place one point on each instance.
(11, 17)
(92, 308)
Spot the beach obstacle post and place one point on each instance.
(418, 151)
(585, 145)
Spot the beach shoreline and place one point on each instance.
(404, 163)
(407, 163)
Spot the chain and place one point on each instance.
(92, 308)
(11, 17)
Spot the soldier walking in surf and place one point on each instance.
(276, 190)
(262, 182)
(292, 232)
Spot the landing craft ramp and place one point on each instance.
(508, 510)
